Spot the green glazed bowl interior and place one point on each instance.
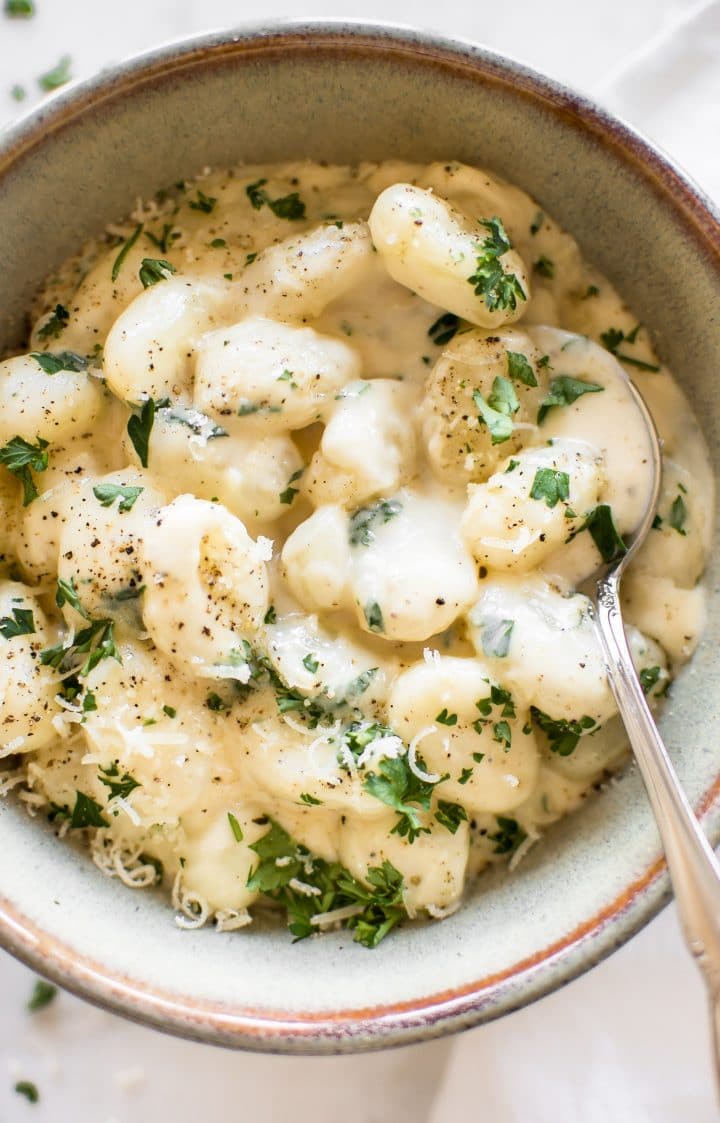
(347, 93)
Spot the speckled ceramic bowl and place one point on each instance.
(352, 92)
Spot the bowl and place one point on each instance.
(345, 92)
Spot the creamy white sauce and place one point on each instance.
(355, 541)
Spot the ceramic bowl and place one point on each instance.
(347, 93)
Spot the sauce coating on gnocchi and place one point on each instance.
(301, 475)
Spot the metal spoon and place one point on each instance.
(694, 869)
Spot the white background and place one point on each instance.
(626, 1043)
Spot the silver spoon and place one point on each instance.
(694, 870)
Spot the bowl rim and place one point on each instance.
(529, 979)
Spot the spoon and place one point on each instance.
(693, 867)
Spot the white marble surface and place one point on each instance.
(626, 1043)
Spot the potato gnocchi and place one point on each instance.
(301, 476)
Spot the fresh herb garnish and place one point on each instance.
(55, 325)
(508, 836)
(170, 711)
(198, 423)
(520, 368)
(215, 703)
(21, 459)
(290, 492)
(365, 521)
(118, 786)
(97, 641)
(19, 9)
(270, 616)
(29, 1090)
(124, 251)
(154, 269)
(465, 775)
(86, 813)
(308, 887)
(678, 515)
(563, 736)
(615, 337)
(537, 222)
(490, 281)
(444, 718)
(604, 533)
(502, 734)
(544, 267)
(139, 428)
(498, 697)
(374, 617)
(21, 623)
(396, 785)
(235, 827)
(564, 390)
(495, 635)
(57, 76)
(106, 494)
(497, 411)
(450, 815)
(310, 663)
(444, 329)
(203, 202)
(310, 800)
(550, 486)
(62, 360)
(42, 995)
(649, 677)
(289, 206)
(168, 236)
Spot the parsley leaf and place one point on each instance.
(497, 411)
(649, 677)
(289, 206)
(119, 786)
(21, 623)
(520, 368)
(678, 515)
(54, 326)
(444, 329)
(397, 786)
(124, 251)
(563, 736)
(19, 9)
(290, 492)
(43, 994)
(204, 203)
(502, 734)
(86, 813)
(19, 457)
(495, 635)
(450, 815)
(165, 240)
(564, 390)
(444, 718)
(63, 360)
(364, 522)
(310, 800)
(139, 428)
(490, 281)
(154, 269)
(508, 836)
(235, 827)
(97, 641)
(58, 76)
(614, 337)
(604, 533)
(67, 594)
(106, 494)
(550, 486)
(29, 1090)
(374, 617)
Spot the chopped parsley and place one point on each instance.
(21, 459)
(550, 486)
(310, 663)
(86, 813)
(19, 9)
(604, 533)
(544, 267)
(55, 324)
(396, 785)
(497, 411)
(215, 703)
(235, 827)
(203, 202)
(57, 76)
(124, 251)
(139, 428)
(508, 836)
(465, 775)
(498, 289)
(310, 800)
(365, 521)
(498, 697)
(615, 337)
(649, 678)
(63, 360)
(29, 1090)
(43, 994)
(290, 492)
(444, 329)
(89, 702)
(564, 390)
(520, 368)
(97, 641)
(170, 711)
(154, 269)
(450, 815)
(495, 636)
(678, 515)
(118, 786)
(21, 623)
(270, 616)
(308, 887)
(289, 206)
(106, 494)
(502, 734)
(218, 244)
(563, 736)
(444, 718)
(165, 240)
(374, 617)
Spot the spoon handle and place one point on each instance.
(694, 870)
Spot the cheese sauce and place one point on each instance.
(302, 471)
